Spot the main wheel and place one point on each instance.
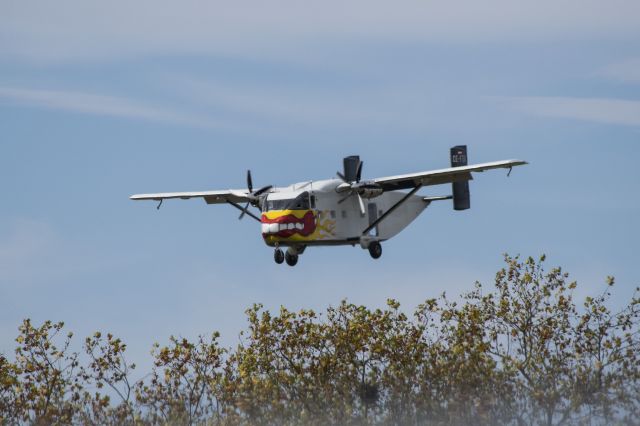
(291, 259)
(375, 249)
(278, 256)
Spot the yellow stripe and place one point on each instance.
(274, 214)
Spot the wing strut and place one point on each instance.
(391, 209)
(239, 207)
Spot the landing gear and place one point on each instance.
(375, 249)
(291, 259)
(290, 256)
(278, 256)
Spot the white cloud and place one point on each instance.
(78, 29)
(235, 105)
(94, 104)
(627, 71)
(601, 110)
(309, 105)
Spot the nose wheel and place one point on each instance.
(278, 256)
(291, 259)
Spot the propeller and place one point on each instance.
(360, 201)
(254, 196)
(352, 175)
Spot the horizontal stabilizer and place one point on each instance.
(438, 198)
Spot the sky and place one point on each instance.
(101, 100)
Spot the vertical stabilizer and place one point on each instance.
(351, 164)
(461, 196)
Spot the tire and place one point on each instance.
(278, 256)
(291, 259)
(375, 249)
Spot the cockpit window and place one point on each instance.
(301, 202)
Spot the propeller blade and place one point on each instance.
(244, 211)
(359, 172)
(341, 176)
(262, 190)
(361, 204)
(249, 181)
(344, 198)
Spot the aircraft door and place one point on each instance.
(372, 209)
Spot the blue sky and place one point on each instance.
(102, 100)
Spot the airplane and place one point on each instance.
(345, 210)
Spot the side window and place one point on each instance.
(277, 204)
(301, 202)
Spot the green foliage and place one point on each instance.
(182, 388)
(522, 352)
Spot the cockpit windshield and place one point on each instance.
(301, 202)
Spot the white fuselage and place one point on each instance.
(310, 213)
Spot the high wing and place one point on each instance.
(437, 177)
(211, 197)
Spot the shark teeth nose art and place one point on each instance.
(274, 228)
(289, 224)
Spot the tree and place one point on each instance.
(183, 384)
(42, 383)
(107, 368)
(520, 352)
(563, 364)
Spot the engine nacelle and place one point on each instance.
(367, 189)
(371, 193)
(461, 195)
